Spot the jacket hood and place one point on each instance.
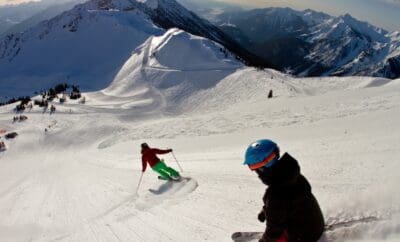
(285, 172)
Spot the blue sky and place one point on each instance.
(381, 13)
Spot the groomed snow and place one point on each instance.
(78, 181)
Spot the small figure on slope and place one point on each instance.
(52, 109)
(149, 155)
(290, 208)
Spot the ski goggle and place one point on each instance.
(267, 162)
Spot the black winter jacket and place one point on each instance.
(289, 205)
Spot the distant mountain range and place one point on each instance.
(32, 18)
(20, 17)
(310, 43)
(88, 44)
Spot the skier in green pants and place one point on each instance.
(149, 155)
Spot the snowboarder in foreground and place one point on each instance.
(149, 155)
(290, 209)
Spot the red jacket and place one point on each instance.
(149, 156)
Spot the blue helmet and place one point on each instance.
(262, 153)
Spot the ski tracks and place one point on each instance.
(135, 216)
(362, 227)
(167, 192)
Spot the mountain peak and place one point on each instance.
(348, 16)
(166, 67)
(95, 38)
(374, 33)
(313, 17)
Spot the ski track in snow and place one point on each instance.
(87, 193)
(77, 182)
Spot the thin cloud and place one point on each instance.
(394, 2)
(5, 2)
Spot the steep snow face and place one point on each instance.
(165, 77)
(86, 46)
(202, 53)
(366, 29)
(395, 43)
(395, 36)
(345, 26)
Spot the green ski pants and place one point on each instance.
(164, 170)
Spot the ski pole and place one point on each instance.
(180, 168)
(140, 181)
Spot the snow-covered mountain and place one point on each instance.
(310, 43)
(80, 180)
(88, 44)
(49, 12)
(12, 15)
(164, 77)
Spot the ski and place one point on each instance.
(255, 236)
(166, 179)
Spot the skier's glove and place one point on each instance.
(170, 150)
(261, 217)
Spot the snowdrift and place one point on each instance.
(156, 78)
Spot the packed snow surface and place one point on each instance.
(79, 180)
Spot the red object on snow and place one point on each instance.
(149, 155)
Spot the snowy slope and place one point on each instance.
(47, 13)
(84, 46)
(160, 74)
(20, 16)
(78, 181)
(88, 45)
